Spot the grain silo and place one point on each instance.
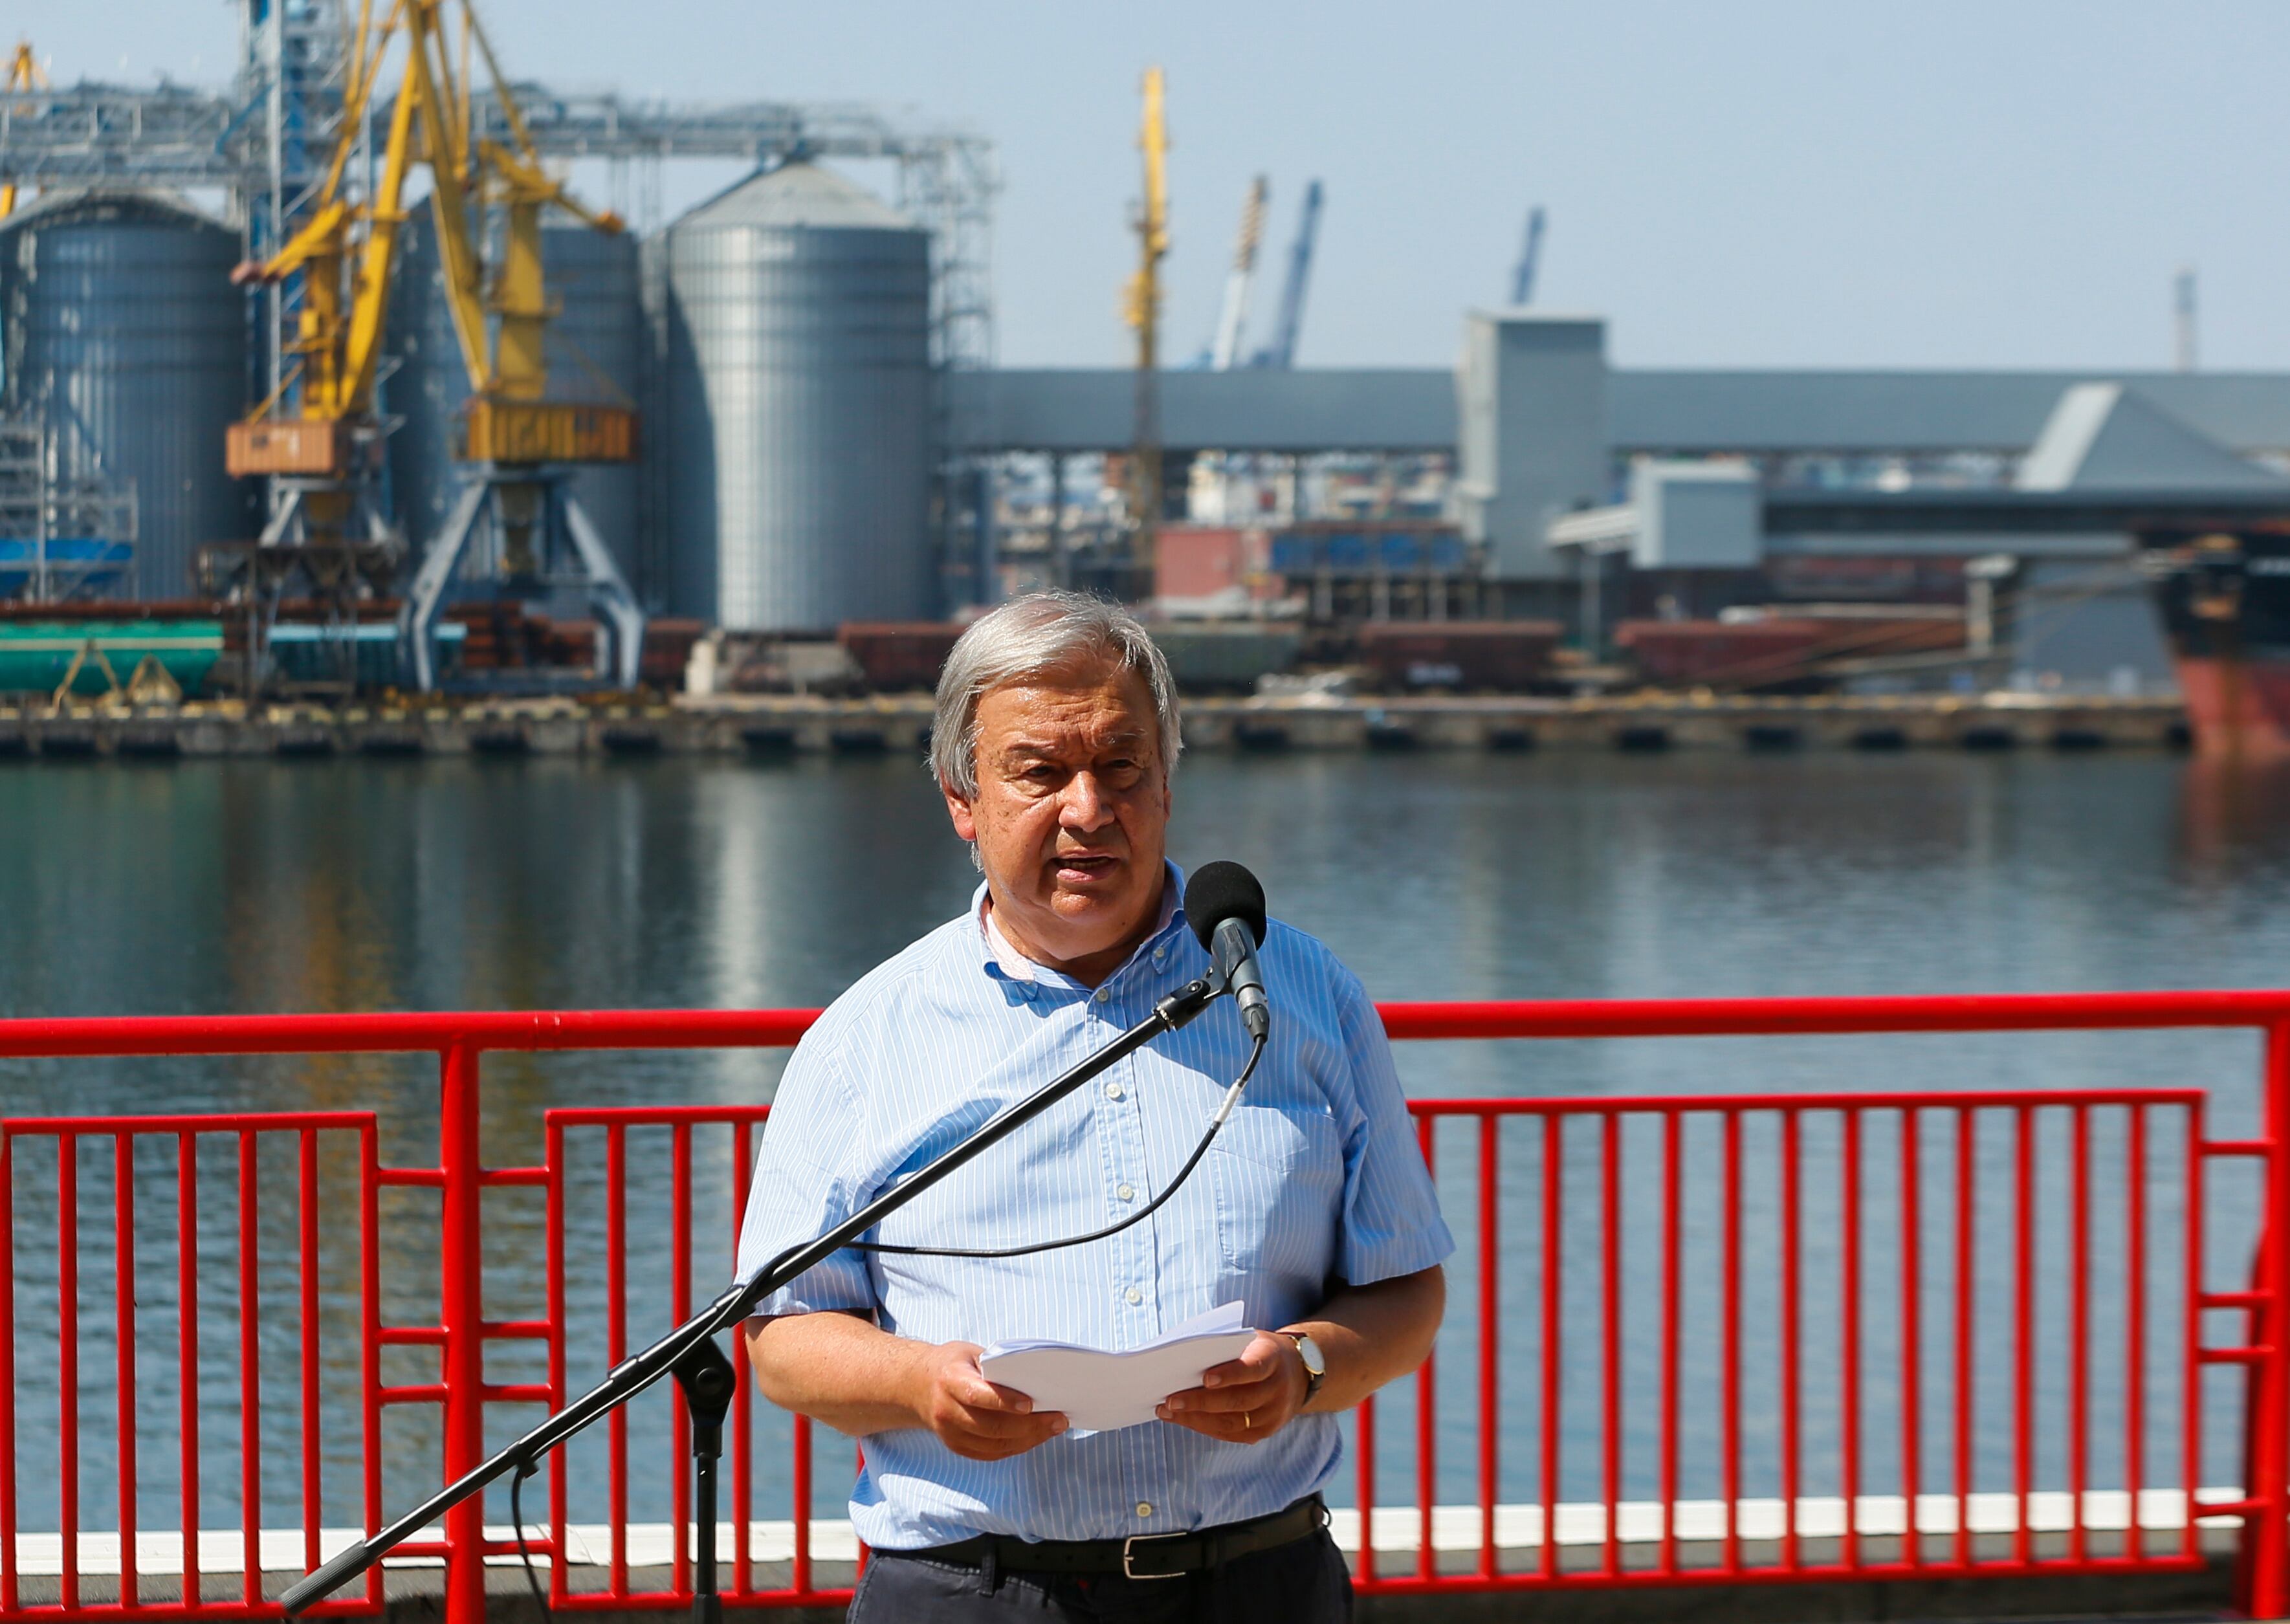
(595, 353)
(793, 421)
(124, 336)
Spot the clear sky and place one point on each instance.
(1765, 183)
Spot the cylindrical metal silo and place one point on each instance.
(124, 335)
(793, 420)
(595, 353)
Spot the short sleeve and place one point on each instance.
(1391, 1220)
(801, 1190)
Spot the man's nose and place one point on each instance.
(1085, 805)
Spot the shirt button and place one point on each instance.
(1103, 994)
(1159, 954)
(1135, 1296)
(1126, 1193)
(1113, 1091)
(1144, 1507)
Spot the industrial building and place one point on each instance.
(1592, 493)
(825, 440)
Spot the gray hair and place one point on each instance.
(1041, 631)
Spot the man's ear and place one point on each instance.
(959, 808)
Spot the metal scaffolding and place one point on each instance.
(265, 144)
(946, 177)
(58, 536)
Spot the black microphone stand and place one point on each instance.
(689, 1353)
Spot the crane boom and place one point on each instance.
(1281, 354)
(23, 75)
(347, 251)
(1227, 350)
(1144, 314)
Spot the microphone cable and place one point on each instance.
(1223, 1111)
(526, 1467)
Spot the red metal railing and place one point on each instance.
(1838, 1272)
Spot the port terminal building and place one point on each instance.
(827, 440)
(1592, 493)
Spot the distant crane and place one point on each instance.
(1226, 349)
(1280, 354)
(1142, 306)
(1530, 257)
(2183, 311)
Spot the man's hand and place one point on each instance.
(971, 1415)
(1245, 1400)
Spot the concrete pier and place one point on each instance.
(782, 724)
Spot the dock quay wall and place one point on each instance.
(764, 725)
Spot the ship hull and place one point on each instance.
(2224, 598)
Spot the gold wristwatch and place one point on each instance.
(1316, 1363)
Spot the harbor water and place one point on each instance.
(236, 886)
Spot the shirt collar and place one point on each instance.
(1000, 959)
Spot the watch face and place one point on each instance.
(1310, 1350)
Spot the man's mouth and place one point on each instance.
(1082, 868)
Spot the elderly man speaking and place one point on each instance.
(1054, 744)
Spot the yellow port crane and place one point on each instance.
(23, 75)
(519, 441)
(1142, 308)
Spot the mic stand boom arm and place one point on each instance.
(633, 1375)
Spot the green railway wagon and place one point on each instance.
(35, 654)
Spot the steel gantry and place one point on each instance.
(267, 144)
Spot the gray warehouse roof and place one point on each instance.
(1249, 410)
(1914, 410)
(1680, 411)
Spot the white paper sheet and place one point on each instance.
(1099, 1391)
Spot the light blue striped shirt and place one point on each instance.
(1316, 1177)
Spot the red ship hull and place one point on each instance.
(2238, 708)
(2225, 596)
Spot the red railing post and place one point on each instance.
(2266, 1529)
(461, 1301)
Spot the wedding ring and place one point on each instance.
(1244, 1423)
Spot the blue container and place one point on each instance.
(1400, 551)
(1295, 555)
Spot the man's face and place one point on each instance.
(1071, 815)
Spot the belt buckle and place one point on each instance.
(1128, 1558)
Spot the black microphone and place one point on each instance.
(1225, 906)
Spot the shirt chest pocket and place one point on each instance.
(1279, 1171)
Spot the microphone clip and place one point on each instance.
(1178, 1008)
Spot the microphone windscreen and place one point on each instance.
(1219, 892)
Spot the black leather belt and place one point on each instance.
(1170, 1555)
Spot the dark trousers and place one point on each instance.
(1303, 1582)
